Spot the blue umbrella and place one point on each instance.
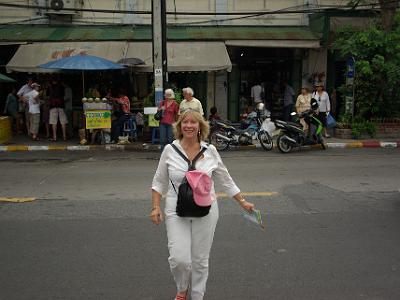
(82, 62)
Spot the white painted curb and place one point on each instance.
(336, 145)
(78, 148)
(388, 145)
(38, 148)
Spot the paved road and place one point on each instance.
(333, 227)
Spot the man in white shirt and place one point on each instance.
(190, 102)
(25, 89)
(34, 110)
(257, 92)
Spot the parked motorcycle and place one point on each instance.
(224, 134)
(292, 134)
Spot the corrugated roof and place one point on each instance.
(36, 33)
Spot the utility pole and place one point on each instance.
(159, 27)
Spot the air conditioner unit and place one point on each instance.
(62, 7)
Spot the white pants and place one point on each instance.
(189, 244)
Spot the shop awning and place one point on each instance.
(45, 33)
(184, 56)
(309, 44)
(29, 57)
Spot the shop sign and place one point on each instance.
(96, 119)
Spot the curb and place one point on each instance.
(79, 148)
(150, 147)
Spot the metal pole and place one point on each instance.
(159, 48)
(354, 85)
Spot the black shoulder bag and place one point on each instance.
(185, 206)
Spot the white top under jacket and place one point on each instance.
(323, 101)
(173, 167)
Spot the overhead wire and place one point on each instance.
(307, 8)
(182, 12)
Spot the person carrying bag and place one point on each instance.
(191, 210)
(187, 206)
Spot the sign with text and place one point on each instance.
(96, 119)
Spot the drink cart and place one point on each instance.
(97, 114)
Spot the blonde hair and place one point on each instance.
(204, 127)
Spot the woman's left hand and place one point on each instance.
(247, 206)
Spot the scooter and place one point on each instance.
(224, 134)
(292, 134)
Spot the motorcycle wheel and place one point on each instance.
(219, 143)
(283, 146)
(265, 140)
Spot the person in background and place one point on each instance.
(25, 89)
(190, 239)
(11, 109)
(45, 113)
(170, 113)
(93, 92)
(287, 101)
(122, 116)
(257, 92)
(56, 105)
(303, 104)
(324, 104)
(213, 114)
(68, 107)
(190, 102)
(34, 110)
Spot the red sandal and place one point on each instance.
(179, 297)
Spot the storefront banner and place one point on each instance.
(96, 119)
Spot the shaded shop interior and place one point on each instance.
(269, 66)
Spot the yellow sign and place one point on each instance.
(96, 119)
(5, 130)
(153, 122)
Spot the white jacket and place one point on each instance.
(323, 101)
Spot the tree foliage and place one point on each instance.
(377, 55)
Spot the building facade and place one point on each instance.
(219, 47)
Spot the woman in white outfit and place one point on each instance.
(190, 239)
(324, 104)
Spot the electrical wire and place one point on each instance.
(239, 15)
(184, 13)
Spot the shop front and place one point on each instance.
(269, 63)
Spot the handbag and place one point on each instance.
(158, 115)
(330, 121)
(186, 205)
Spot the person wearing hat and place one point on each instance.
(302, 104)
(34, 110)
(322, 98)
(190, 238)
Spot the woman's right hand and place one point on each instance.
(156, 215)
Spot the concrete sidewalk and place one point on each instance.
(24, 143)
